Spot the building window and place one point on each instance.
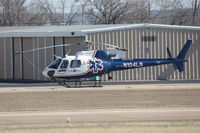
(148, 38)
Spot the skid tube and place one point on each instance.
(78, 83)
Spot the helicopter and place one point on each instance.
(92, 63)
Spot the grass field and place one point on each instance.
(125, 97)
(110, 128)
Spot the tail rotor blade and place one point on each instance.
(169, 53)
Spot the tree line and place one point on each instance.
(46, 12)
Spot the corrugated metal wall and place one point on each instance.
(30, 65)
(131, 39)
(20, 66)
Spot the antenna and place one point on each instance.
(56, 56)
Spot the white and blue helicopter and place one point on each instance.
(91, 63)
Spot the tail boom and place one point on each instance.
(119, 64)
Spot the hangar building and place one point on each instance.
(141, 40)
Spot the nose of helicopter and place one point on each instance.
(44, 72)
(48, 73)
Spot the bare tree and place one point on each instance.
(195, 11)
(63, 6)
(67, 17)
(39, 12)
(172, 12)
(71, 15)
(81, 8)
(138, 12)
(107, 11)
(12, 12)
(177, 13)
(47, 7)
(36, 15)
(15, 12)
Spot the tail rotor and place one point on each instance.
(180, 59)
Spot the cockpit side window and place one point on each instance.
(55, 64)
(64, 64)
(75, 63)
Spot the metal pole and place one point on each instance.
(149, 11)
(82, 14)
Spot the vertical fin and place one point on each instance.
(181, 56)
(184, 50)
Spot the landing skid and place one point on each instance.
(79, 83)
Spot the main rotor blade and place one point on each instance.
(110, 45)
(26, 51)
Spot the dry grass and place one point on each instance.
(166, 128)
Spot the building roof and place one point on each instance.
(134, 26)
(39, 31)
(78, 30)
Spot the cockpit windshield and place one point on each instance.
(55, 64)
